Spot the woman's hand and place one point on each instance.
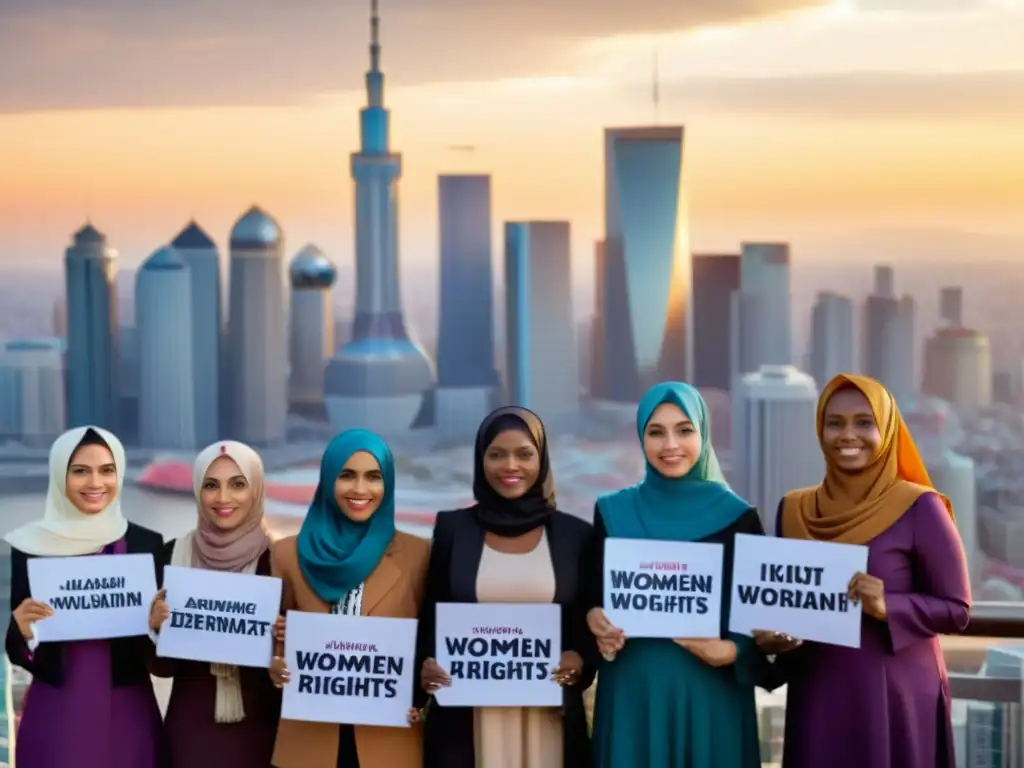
(774, 643)
(413, 716)
(28, 613)
(569, 668)
(433, 676)
(610, 639)
(279, 673)
(159, 612)
(717, 653)
(870, 592)
(278, 629)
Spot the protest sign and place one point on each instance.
(796, 586)
(499, 655)
(95, 597)
(670, 589)
(358, 670)
(220, 617)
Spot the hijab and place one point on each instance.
(336, 554)
(63, 530)
(687, 508)
(512, 517)
(856, 507)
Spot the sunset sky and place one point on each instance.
(804, 119)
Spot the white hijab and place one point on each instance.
(63, 531)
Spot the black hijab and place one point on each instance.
(512, 517)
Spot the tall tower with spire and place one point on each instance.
(378, 379)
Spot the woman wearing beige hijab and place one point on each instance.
(220, 715)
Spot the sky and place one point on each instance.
(805, 119)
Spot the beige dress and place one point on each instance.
(517, 737)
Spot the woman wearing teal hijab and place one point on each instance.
(349, 559)
(674, 703)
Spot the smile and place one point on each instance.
(358, 504)
(850, 452)
(511, 480)
(673, 459)
(99, 496)
(224, 511)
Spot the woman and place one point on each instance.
(219, 714)
(513, 546)
(894, 707)
(682, 703)
(348, 559)
(91, 703)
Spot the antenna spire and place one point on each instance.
(374, 37)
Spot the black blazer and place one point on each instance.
(458, 546)
(129, 656)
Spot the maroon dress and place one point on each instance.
(86, 721)
(193, 738)
(887, 703)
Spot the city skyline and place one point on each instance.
(796, 128)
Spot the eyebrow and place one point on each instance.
(233, 477)
(76, 465)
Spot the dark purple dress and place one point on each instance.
(87, 722)
(194, 739)
(885, 704)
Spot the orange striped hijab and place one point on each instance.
(856, 507)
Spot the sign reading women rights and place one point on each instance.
(663, 589)
(798, 587)
(95, 597)
(499, 655)
(357, 670)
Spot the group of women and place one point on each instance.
(659, 703)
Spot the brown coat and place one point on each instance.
(394, 589)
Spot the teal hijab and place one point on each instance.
(336, 554)
(687, 508)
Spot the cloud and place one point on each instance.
(857, 95)
(934, 6)
(69, 54)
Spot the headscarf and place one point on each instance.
(63, 530)
(336, 554)
(856, 507)
(512, 517)
(238, 550)
(232, 550)
(688, 508)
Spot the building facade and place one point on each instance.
(833, 347)
(716, 277)
(311, 341)
(32, 393)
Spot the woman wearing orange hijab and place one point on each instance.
(885, 704)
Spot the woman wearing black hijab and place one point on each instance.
(512, 546)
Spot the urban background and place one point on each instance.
(201, 238)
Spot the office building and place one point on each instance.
(32, 391)
(716, 277)
(958, 367)
(951, 306)
(311, 344)
(761, 315)
(833, 348)
(889, 351)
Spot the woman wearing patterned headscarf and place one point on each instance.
(512, 546)
(91, 702)
(682, 703)
(348, 559)
(219, 714)
(894, 707)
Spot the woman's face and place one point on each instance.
(359, 489)
(671, 441)
(91, 481)
(849, 434)
(511, 463)
(226, 497)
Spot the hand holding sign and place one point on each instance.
(774, 643)
(569, 668)
(28, 613)
(610, 639)
(433, 676)
(870, 591)
(279, 674)
(278, 630)
(159, 612)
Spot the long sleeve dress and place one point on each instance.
(91, 702)
(193, 737)
(887, 703)
(658, 705)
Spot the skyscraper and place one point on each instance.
(257, 352)
(958, 367)
(89, 266)
(466, 376)
(951, 306)
(311, 331)
(32, 391)
(596, 388)
(889, 352)
(761, 312)
(378, 379)
(540, 344)
(164, 319)
(775, 441)
(715, 278)
(197, 249)
(645, 317)
(832, 341)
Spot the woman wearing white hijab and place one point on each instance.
(91, 703)
(220, 715)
